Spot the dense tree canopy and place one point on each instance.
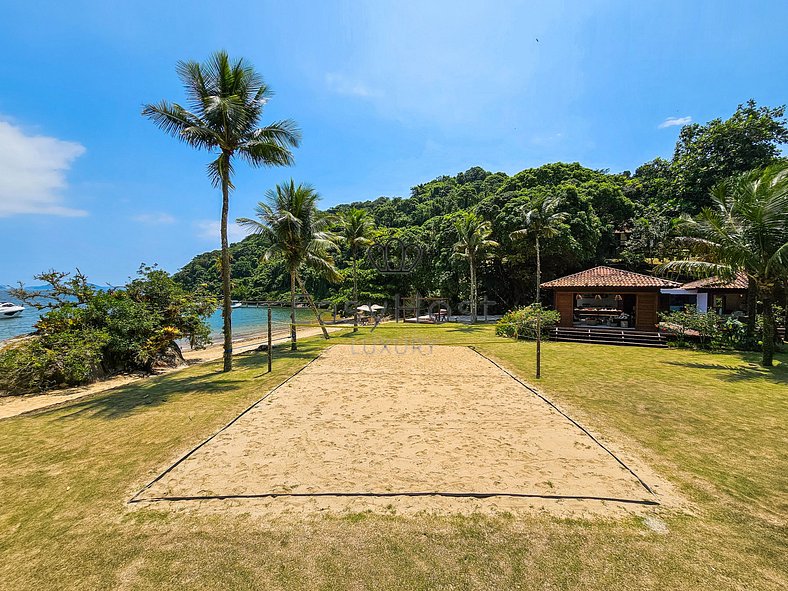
(600, 209)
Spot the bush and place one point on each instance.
(70, 358)
(521, 323)
(88, 332)
(708, 330)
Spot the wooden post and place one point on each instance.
(539, 342)
(418, 306)
(268, 350)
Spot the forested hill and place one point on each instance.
(597, 203)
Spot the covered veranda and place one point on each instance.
(605, 297)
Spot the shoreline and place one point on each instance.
(12, 406)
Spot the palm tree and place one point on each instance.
(356, 227)
(225, 102)
(745, 230)
(298, 236)
(474, 244)
(540, 221)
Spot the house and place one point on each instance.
(606, 297)
(725, 297)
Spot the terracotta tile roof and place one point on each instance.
(609, 277)
(738, 282)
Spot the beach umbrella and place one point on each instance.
(378, 307)
(364, 309)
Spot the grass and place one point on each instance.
(710, 423)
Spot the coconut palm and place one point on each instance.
(297, 235)
(474, 245)
(744, 230)
(540, 221)
(225, 102)
(356, 227)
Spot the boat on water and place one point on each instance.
(9, 310)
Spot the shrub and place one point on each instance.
(69, 358)
(708, 330)
(88, 332)
(521, 322)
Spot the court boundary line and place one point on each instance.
(477, 495)
(470, 495)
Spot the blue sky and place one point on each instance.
(388, 94)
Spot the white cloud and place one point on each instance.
(210, 230)
(675, 121)
(343, 85)
(154, 219)
(33, 172)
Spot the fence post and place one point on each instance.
(539, 342)
(269, 339)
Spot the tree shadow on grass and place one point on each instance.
(740, 373)
(127, 399)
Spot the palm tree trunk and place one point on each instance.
(538, 269)
(355, 293)
(752, 310)
(768, 329)
(473, 289)
(293, 336)
(312, 305)
(227, 307)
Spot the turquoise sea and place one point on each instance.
(247, 322)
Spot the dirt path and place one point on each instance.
(11, 406)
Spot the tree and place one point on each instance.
(225, 104)
(297, 235)
(541, 220)
(708, 154)
(474, 245)
(356, 227)
(745, 230)
(87, 332)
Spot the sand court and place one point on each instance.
(403, 422)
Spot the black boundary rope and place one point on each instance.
(570, 419)
(471, 495)
(136, 499)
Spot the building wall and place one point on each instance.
(646, 311)
(565, 304)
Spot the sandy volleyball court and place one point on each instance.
(404, 427)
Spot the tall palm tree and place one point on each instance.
(356, 227)
(540, 221)
(474, 245)
(744, 230)
(225, 102)
(297, 234)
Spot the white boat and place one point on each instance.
(9, 310)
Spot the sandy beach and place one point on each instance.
(414, 428)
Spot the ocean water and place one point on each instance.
(247, 322)
(23, 324)
(252, 322)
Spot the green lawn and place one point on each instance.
(713, 424)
